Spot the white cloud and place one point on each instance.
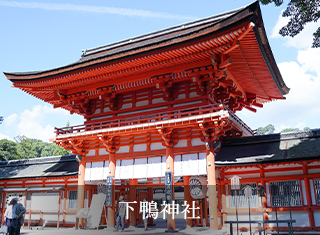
(282, 21)
(93, 9)
(37, 123)
(2, 136)
(302, 75)
(301, 41)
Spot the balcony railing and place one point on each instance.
(147, 118)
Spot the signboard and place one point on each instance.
(235, 182)
(168, 187)
(109, 190)
(248, 191)
(94, 214)
(198, 187)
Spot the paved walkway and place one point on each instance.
(127, 231)
(160, 228)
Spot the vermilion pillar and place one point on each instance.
(187, 198)
(80, 192)
(212, 193)
(111, 209)
(308, 195)
(264, 199)
(171, 224)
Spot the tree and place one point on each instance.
(300, 12)
(51, 149)
(267, 130)
(8, 150)
(289, 130)
(29, 148)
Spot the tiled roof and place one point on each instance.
(56, 166)
(154, 38)
(301, 145)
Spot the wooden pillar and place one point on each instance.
(111, 209)
(212, 193)
(80, 192)
(188, 199)
(223, 199)
(171, 223)
(308, 195)
(133, 197)
(264, 199)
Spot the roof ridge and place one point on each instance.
(41, 160)
(171, 29)
(273, 137)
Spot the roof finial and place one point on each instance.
(83, 53)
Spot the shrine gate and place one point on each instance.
(160, 103)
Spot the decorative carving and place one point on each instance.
(111, 143)
(74, 145)
(165, 83)
(108, 93)
(212, 131)
(167, 137)
(204, 77)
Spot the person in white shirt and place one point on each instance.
(17, 217)
(8, 215)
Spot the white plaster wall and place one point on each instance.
(231, 216)
(139, 147)
(124, 149)
(157, 101)
(196, 142)
(103, 152)
(181, 96)
(155, 146)
(142, 103)
(301, 217)
(283, 173)
(317, 218)
(91, 152)
(127, 106)
(193, 94)
(181, 143)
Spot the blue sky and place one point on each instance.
(39, 35)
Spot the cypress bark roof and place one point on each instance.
(294, 146)
(56, 166)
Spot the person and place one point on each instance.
(8, 215)
(121, 213)
(17, 217)
(145, 219)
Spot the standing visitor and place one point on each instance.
(145, 219)
(121, 213)
(17, 217)
(8, 215)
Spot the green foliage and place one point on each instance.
(8, 150)
(267, 130)
(28, 148)
(300, 13)
(289, 130)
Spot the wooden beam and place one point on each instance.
(239, 87)
(235, 44)
(250, 108)
(226, 63)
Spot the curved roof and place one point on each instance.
(238, 34)
(56, 166)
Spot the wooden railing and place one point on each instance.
(146, 118)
